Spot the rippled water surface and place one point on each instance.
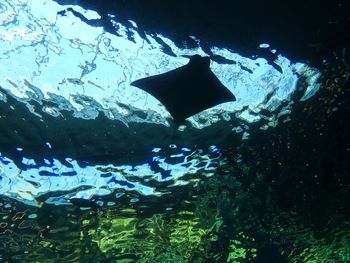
(93, 169)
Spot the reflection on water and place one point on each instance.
(56, 182)
(253, 181)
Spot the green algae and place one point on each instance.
(158, 238)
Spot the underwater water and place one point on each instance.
(91, 169)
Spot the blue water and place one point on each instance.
(93, 170)
(66, 71)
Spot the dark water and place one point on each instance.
(280, 195)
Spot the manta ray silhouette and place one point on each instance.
(187, 90)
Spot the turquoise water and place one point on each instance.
(90, 170)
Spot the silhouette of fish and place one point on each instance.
(187, 90)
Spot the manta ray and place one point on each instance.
(187, 90)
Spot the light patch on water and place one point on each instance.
(48, 52)
(71, 180)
